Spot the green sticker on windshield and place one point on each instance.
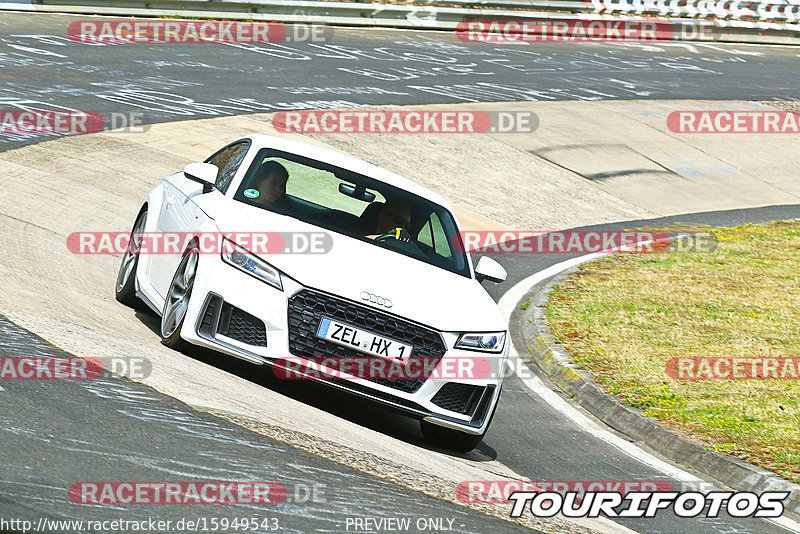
(251, 193)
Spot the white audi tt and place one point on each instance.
(389, 284)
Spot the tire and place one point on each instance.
(177, 302)
(454, 440)
(125, 290)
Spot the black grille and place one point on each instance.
(460, 398)
(239, 325)
(307, 307)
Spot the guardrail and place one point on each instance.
(768, 21)
(776, 10)
(770, 10)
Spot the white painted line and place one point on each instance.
(507, 303)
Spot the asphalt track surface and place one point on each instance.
(167, 82)
(116, 430)
(113, 430)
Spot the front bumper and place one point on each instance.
(234, 313)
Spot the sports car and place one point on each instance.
(387, 306)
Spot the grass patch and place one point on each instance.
(623, 317)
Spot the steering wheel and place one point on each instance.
(400, 234)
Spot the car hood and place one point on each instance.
(420, 292)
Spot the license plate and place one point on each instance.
(361, 340)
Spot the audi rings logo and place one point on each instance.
(375, 299)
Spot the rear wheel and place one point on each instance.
(126, 277)
(177, 301)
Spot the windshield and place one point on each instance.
(355, 205)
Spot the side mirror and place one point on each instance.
(205, 173)
(488, 269)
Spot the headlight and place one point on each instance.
(489, 342)
(236, 256)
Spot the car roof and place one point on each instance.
(348, 162)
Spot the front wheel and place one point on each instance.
(125, 291)
(177, 301)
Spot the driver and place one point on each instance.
(270, 180)
(393, 218)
